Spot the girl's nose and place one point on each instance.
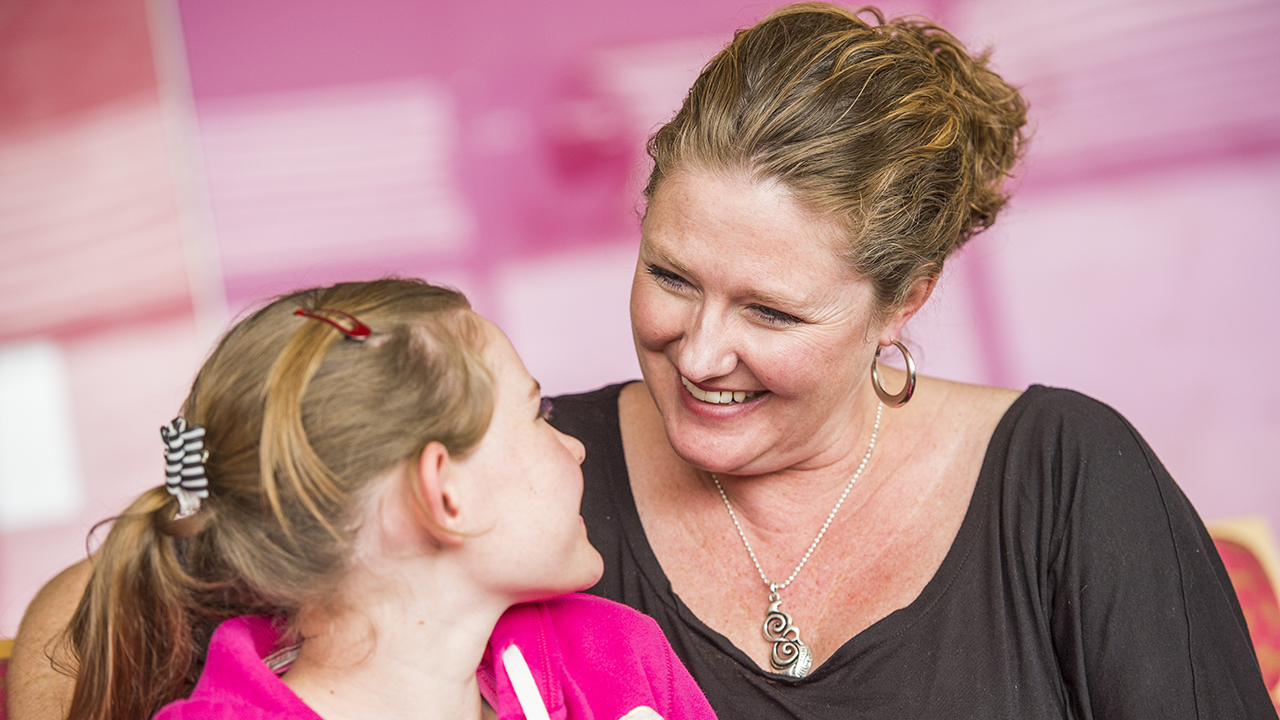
(574, 445)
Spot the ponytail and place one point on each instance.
(135, 628)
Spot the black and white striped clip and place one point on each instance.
(184, 457)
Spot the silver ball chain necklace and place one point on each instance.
(790, 656)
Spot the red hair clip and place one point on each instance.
(349, 326)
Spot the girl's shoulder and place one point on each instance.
(240, 677)
(581, 623)
(595, 658)
(216, 710)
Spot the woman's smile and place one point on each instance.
(720, 397)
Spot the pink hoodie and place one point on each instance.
(589, 657)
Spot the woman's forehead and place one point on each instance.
(739, 202)
(741, 216)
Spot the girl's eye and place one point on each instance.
(666, 277)
(776, 317)
(544, 409)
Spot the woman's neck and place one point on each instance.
(406, 651)
(781, 510)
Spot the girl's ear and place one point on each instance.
(437, 489)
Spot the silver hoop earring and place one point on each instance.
(878, 383)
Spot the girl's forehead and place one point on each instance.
(501, 355)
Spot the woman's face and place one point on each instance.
(755, 338)
(527, 481)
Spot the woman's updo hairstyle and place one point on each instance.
(890, 128)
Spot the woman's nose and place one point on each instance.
(707, 349)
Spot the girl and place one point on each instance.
(364, 501)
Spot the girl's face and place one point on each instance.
(754, 336)
(531, 535)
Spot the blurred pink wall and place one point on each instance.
(164, 164)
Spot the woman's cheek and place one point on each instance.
(654, 319)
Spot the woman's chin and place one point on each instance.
(706, 451)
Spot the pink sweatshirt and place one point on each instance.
(589, 657)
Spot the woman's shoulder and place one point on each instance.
(1031, 423)
(965, 403)
(1063, 415)
(951, 396)
(956, 419)
(1059, 448)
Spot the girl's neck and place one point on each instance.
(404, 652)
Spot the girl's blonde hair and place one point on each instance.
(298, 420)
(889, 127)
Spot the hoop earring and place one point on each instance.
(878, 383)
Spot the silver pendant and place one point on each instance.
(790, 656)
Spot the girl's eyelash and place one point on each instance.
(545, 408)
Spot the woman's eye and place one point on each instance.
(545, 408)
(666, 277)
(776, 317)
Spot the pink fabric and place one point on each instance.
(591, 658)
(236, 683)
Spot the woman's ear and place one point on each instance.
(437, 493)
(920, 291)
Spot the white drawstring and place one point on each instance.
(525, 686)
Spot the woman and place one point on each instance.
(364, 498)
(816, 542)
(819, 537)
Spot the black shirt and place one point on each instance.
(1081, 584)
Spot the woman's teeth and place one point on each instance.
(721, 397)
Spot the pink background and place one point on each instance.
(163, 165)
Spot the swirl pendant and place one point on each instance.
(790, 656)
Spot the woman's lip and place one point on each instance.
(719, 397)
(713, 412)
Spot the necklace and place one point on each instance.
(790, 656)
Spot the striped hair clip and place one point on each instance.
(184, 458)
(347, 324)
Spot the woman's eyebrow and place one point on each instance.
(662, 257)
(780, 301)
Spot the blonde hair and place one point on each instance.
(891, 128)
(298, 420)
